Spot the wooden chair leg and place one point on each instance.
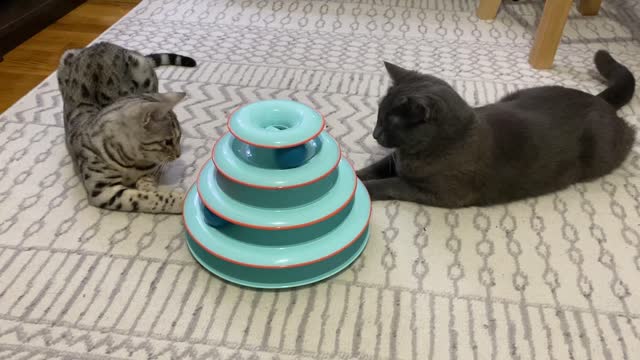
(488, 9)
(589, 7)
(549, 33)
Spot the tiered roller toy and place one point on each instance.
(276, 206)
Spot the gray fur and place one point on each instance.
(119, 130)
(532, 142)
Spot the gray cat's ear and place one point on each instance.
(396, 72)
(400, 101)
(413, 108)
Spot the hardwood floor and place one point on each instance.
(27, 65)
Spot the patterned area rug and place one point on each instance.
(549, 278)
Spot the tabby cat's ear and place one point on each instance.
(397, 73)
(68, 55)
(155, 110)
(172, 98)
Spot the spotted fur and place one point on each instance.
(120, 131)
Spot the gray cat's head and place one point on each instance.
(146, 126)
(419, 111)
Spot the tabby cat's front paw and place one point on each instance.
(176, 202)
(147, 183)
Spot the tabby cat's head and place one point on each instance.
(418, 111)
(147, 126)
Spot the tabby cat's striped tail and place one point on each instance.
(161, 59)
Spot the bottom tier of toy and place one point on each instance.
(278, 278)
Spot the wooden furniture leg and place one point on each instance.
(488, 9)
(589, 7)
(549, 33)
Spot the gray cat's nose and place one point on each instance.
(377, 132)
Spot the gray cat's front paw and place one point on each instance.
(365, 174)
(376, 192)
(381, 169)
(392, 189)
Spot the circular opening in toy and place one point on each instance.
(277, 127)
(279, 118)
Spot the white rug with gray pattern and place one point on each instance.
(556, 277)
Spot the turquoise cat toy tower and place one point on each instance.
(276, 206)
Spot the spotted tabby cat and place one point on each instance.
(119, 130)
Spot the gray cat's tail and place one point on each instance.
(621, 82)
(161, 59)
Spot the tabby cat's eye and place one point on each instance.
(168, 142)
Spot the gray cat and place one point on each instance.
(119, 130)
(531, 142)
